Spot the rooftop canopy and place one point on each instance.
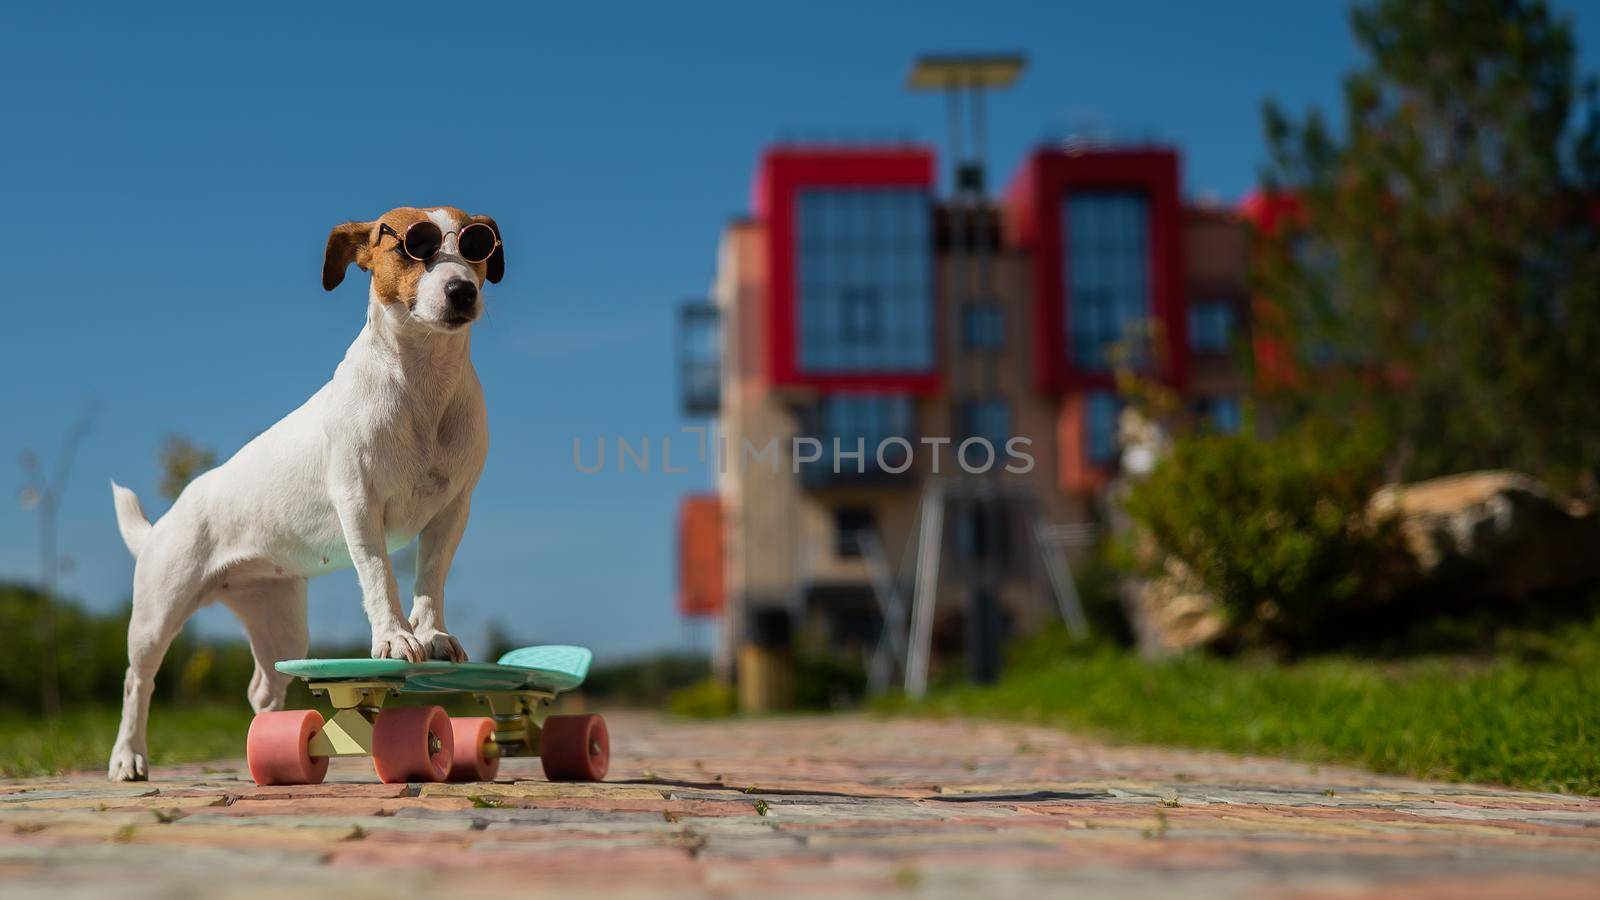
(979, 70)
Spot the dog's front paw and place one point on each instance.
(398, 643)
(441, 645)
(127, 764)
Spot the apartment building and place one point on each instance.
(916, 395)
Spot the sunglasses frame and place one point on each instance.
(400, 240)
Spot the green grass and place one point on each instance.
(1519, 719)
(81, 738)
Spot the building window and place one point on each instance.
(1225, 413)
(1211, 325)
(1100, 427)
(983, 327)
(865, 420)
(1107, 256)
(848, 524)
(988, 418)
(865, 281)
(861, 316)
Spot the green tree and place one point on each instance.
(182, 460)
(1445, 276)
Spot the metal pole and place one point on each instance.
(927, 592)
(953, 95)
(891, 650)
(970, 277)
(979, 126)
(1059, 571)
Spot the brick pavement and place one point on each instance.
(807, 806)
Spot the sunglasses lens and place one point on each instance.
(423, 240)
(476, 242)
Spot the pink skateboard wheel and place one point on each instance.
(575, 748)
(412, 744)
(277, 749)
(476, 758)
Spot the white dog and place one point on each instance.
(387, 451)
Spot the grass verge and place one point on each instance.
(1523, 719)
(81, 738)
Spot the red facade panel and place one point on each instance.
(784, 172)
(1034, 222)
(700, 575)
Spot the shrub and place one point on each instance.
(1275, 529)
(705, 699)
(828, 680)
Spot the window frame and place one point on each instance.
(1107, 254)
(970, 409)
(865, 243)
(1229, 310)
(987, 340)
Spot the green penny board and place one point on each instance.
(553, 668)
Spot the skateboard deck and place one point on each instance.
(549, 669)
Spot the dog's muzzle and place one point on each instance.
(462, 295)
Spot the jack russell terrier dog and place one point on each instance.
(387, 451)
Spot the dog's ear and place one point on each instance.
(497, 260)
(347, 244)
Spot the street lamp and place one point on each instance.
(962, 77)
(971, 75)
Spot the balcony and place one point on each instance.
(699, 358)
(822, 474)
(844, 425)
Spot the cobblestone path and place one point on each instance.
(807, 806)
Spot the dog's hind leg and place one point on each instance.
(168, 582)
(274, 615)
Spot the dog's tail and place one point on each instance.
(131, 520)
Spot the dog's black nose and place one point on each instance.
(461, 294)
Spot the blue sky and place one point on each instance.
(169, 178)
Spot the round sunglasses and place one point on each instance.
(422, 241)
